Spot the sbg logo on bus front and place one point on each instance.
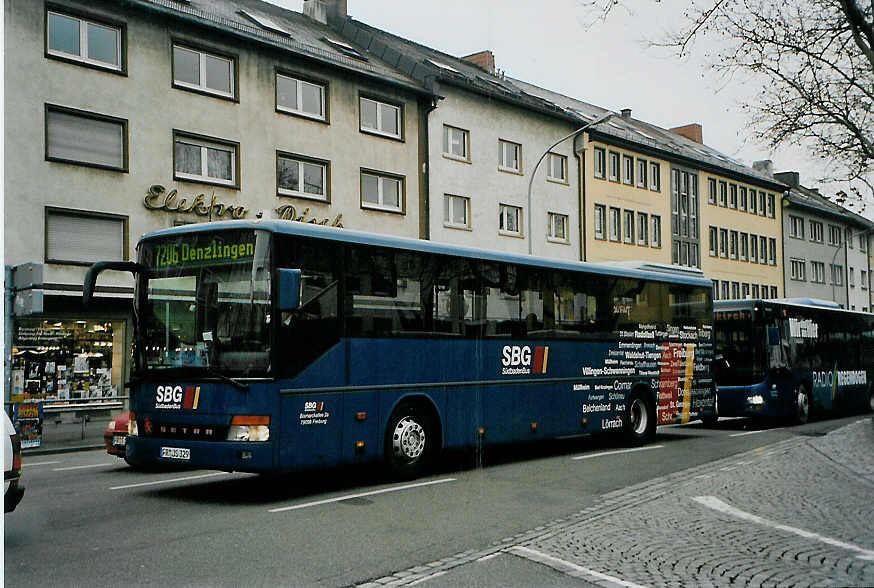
(518, 359)
(171, 396)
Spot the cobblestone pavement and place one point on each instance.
(799, 512)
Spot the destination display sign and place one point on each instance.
(202, 249)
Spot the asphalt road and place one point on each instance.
(87, 519)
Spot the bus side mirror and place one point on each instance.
(94, 271)
(289, 289)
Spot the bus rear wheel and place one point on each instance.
(409, 441)
(640, 419)
(802, 405)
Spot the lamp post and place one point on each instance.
(585, 127)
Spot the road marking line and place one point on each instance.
(426, 578)
(716, 504)
(752, 432)
(703, 476)
(490, 556)
(617, 451)
(155, 482)
(82, 467)
(360, 495)
(727, 469)
(539, 556)
(27, 465)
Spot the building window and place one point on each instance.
(863, 241)
(642, 229)
(715, 289)
(851, 277)
(754, 249)
(380, 118)
(382, 192)
(763, 249)
(834, 235)
(762, 204)
(86, 138)
(300, 97)
(600, 221)
(615, 227)
(509, 156)
(456, 212)
(816, 231)
(557, 230)
(817, 268)
(656, 232)
(732, 196)
(205, 72)
(711, 190)
(723, 243)
(772, 206)
(628, 170)
(655, 176)
(848, 237)
(205, 160)
(712, 241)
(556, 168)
(744, 246)
(456, 143)
(754, 291)
(797, 269)
(735, 290)
(85, 41)
(863, 279)
(764, 291)
(614, 166)
(725, 294)
(732, 244)
(641, 174)
(772, 251)
(723, 194)
(773, 291)
(628, 236)
(837, 274)
(301, 177)
(599, 162)
(684, 217)
(743, 199)
(745, 291)
(82, 238)
(510, 220)
(796, 227)
(754, 207)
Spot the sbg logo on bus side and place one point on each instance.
(518, 359)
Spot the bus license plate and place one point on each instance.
(119, 440)
(176, 453)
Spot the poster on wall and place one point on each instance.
(27, 418)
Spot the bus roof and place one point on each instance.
(646, 270)
(800, 302)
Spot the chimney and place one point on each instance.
(790, 178)
(765, 166)
(626, 113)
(329, 12)
(692, 132)
(484, 60)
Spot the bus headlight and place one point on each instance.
(132, 426)
(249, 428)
(757, 400)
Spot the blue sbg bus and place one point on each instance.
(790, 358)
(278, 345)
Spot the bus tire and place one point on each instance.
(870, 398)
(410, 441)
(640, 418)
(711, 419)
(802, 405)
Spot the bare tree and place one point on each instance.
(814, 61)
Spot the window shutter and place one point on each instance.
(84, 239)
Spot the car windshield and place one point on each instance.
(205, 302)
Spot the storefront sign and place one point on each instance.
(157, 198)
(289, 212)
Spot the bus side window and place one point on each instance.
(503, 308)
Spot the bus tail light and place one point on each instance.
(249, 428)
(132, 425)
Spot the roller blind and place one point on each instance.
(83, 239)
(88, 140)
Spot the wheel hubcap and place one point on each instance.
(639, 418)
(408, 439)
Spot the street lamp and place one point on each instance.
(597, 121)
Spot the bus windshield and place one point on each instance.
(205, 302)
(740, 340)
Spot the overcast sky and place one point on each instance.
(556, 45)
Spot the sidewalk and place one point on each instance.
(70, 436)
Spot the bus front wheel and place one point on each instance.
(802, 405)
(410, 441)
(640, 419)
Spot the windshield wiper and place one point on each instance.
(187, 369)
(214, 372)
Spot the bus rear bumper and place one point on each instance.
(212, 455)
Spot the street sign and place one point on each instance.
(27, 275)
